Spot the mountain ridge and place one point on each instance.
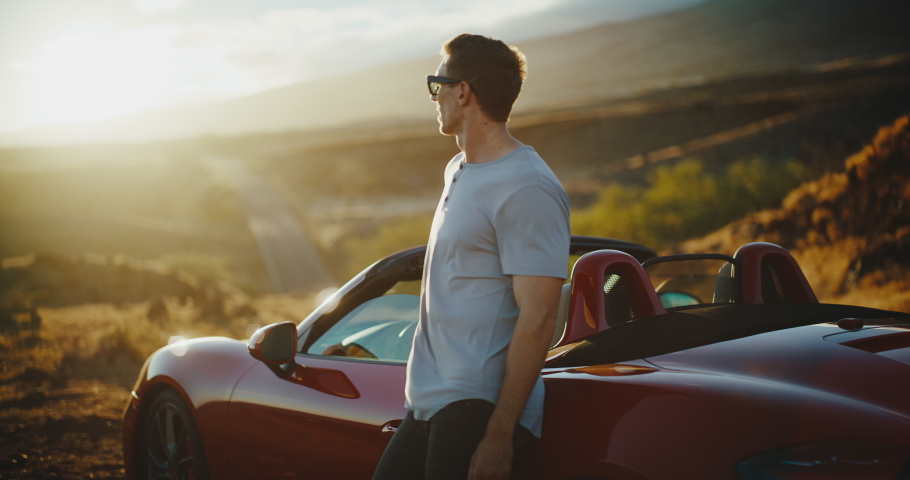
(707, 41)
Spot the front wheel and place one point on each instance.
(171, 447)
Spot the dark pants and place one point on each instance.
(441, 448)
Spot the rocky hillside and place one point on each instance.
(850, 230)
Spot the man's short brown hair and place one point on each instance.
(494, 70)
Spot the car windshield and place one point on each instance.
(379, 329)
(684, 282)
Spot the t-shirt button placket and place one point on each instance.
(454, 179)
(452, 185)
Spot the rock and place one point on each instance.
(158, 312)
(32, 374)
(56, 427)
(32, 400)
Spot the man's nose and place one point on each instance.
(432, 97)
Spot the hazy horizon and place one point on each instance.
(62, 64)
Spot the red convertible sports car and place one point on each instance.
(685, 366)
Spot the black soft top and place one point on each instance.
(681, 330)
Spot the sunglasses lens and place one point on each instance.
(434, 87)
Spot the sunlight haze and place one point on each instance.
(72, 61)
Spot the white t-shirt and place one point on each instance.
(494, 220)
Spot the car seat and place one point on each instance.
(725, 288)
(562, 314)
(769, 274)
(609, 288)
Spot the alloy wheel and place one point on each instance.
(169, 448)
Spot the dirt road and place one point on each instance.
(288, 253)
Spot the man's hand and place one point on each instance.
(537, 299)
(492, 460)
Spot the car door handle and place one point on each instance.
(390, 427)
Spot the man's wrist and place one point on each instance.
(499, 430)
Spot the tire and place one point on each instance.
(170, 447)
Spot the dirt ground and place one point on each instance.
(54, 430)
(66, 371)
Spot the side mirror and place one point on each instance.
(275, 344)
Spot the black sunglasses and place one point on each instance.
(434, 83)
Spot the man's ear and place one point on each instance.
(465, 95)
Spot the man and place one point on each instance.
(495, 264)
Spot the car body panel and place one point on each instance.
(682, 424)
(693, 411)
(203, 371)
(800, 357)
(892, 341)
(299, 427)
(594, 425)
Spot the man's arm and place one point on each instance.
(538, 300)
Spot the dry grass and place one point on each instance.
(64, 383)
(877, 292)
(147, 202)
(74, 332)
(63, 387)
(827, 266)
(109, 342)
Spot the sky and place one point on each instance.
(68, 61)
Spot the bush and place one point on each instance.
(679, 202)
(683, 201)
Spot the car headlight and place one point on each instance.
(831, 460)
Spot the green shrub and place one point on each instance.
(679, 202)
(683, 201)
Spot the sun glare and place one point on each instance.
(80, 77)
(110, 68)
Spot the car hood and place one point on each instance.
(870, 365)
(206, 369)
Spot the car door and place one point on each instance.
(333, 416)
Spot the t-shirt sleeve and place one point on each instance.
(532, 232)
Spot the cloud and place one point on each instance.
(155, 6)
(17, 67)
(299, 44)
